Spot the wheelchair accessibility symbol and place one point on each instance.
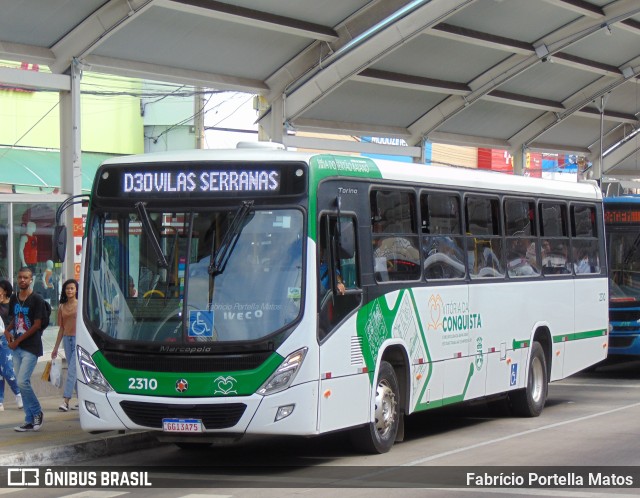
(200, 323)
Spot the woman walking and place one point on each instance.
(6, 358)
(67, 313)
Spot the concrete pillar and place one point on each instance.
(271, 128)
(519, 161)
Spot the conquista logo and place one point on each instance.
(452, 316)
(435, 309)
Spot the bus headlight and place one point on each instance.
(92, 376)
(284, 374)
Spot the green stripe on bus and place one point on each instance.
(460, 397)
(426, 347)
(520, 344)
(198, 384)
(576, 336)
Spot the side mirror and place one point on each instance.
(347, 239)
(59, 243)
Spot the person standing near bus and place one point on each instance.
(67, 314)
(6, 358)
(24, 335)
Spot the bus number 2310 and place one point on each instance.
(140, 383)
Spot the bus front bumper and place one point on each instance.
(233, 416)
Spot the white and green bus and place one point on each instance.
(264, 291)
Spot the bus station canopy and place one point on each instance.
(522, 75)
(41, 168)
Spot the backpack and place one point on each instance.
(47, 315)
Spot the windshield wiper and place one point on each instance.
(220, 257)
(148, 229)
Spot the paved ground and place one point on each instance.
(60, 440)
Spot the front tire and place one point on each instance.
(379, 435)
(529, 402)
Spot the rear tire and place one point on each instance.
(378, 436)
(529, 402)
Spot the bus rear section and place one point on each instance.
(622, 226)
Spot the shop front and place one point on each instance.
(29, 197)
(26, 230)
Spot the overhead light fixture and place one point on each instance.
(607, 30)
(541, 50)
(627, 72)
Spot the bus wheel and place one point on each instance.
(530, 401)
(378, 436)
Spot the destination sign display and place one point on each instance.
(622, 215)
(203, 181)
(196, 180)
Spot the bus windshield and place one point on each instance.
(227, 275)
(625, 266)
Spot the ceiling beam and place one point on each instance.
(616, 135)
(620, 154)
(579, 7)
(345, 128)
(350, 146)
(250, 17)
(25, 53)
(565, 148)
(169, 74)
(468, 140)
(572, 105)
(17, 78)
(94, 30)
(516, 64)
(391, 79)
(479, 38)
(362, 52)
(317, 52)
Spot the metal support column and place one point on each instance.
(70, 166)
(198, 117)
(598, 167)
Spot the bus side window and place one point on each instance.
(520, 227)
(586, 253)
(395, 235)
(442, 242)
(555, 239)
(484, 240)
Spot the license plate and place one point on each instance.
(181, 425)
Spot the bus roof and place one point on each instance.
(623, 199)
(412, 173)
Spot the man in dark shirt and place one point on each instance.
(24, 335)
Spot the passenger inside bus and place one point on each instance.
(334, 307)
(443, 258)
(519, 258)
(325, 281)
(556, 259)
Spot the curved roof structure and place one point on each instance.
(553, 75)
